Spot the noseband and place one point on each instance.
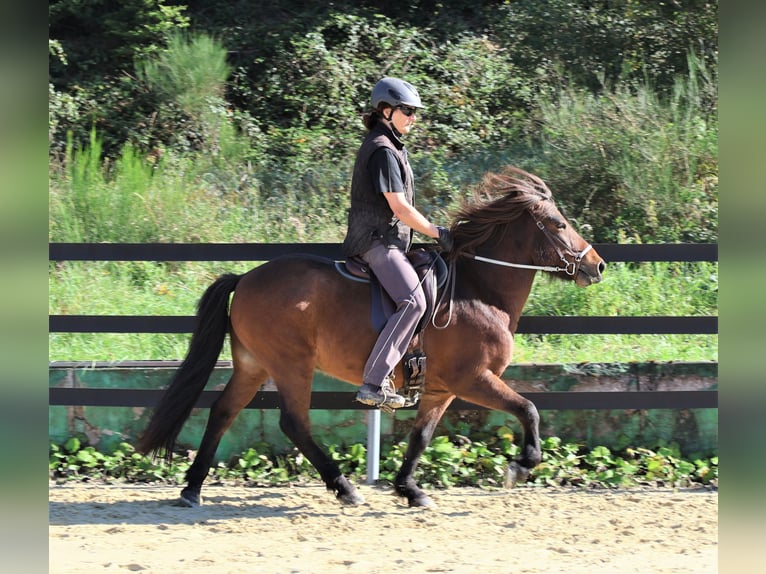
(571, 268)
(562, 249)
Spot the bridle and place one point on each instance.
(570, 267)
(562, 249)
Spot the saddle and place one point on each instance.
(433, 272)
(430, 267)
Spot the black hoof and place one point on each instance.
(345, 491)
(351, 499)
(190, 499)
(515, 474)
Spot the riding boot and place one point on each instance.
(382, 396)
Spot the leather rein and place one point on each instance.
(570, 267)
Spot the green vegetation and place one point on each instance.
(446, 463)
(307, 68)
(613, 103)
(627, 165)
(147, 288)
(651, 166)
(246, 127)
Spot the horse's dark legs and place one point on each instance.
(294, 402)
(239, 391)
(531, 452)
(492, 392)
(429, 414)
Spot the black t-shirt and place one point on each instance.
(384, 172)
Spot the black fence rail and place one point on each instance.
(703, 398)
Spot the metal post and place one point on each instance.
(373, 445)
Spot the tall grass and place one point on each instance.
(181, 200)
(147, 288)
(131, 199)
(634, 167)
(645, 289)
(133, 202)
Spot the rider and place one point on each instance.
(381, 219)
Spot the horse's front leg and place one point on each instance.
(492, 392)
(430, 412)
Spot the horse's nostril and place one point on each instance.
(601, 267)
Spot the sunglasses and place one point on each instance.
(407, 110)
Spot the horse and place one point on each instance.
(297, 314)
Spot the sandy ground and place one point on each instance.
(302, 529)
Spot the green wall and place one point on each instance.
(695, 430)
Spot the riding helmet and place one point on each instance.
(395, 92)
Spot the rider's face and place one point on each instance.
(401, 120)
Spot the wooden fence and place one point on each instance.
(340, 400)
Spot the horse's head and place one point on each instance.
(562, 247)
(518, 222)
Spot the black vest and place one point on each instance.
(370, 216)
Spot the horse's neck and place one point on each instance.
(501, 288)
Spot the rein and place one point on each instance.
(570, 267)
(518, 265)
(451, 280)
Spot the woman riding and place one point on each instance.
(381, 220)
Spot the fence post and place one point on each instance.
(373, 445)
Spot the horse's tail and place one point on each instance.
(207, 340)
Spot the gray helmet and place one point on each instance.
(395, 92)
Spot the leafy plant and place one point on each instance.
(256, 468)
(72, 461)
(447, 462)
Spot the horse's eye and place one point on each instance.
(561, 225)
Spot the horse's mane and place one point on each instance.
(499, 199)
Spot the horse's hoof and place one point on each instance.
(351, 499)
(515, 474)
(422, 501)
(190, 500)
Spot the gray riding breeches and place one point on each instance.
(399, 279)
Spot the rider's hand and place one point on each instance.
(445, 238)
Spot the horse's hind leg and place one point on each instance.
(294, 403)
(239, 391)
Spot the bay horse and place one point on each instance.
(297, 314)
